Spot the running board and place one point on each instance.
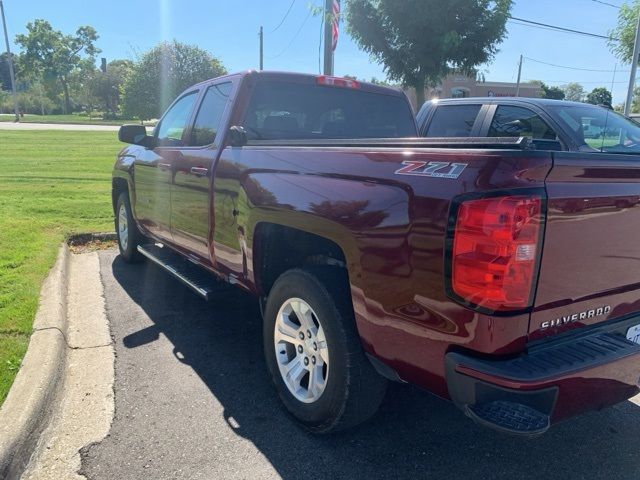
(197, 278)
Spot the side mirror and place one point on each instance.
(237, 136)
(135, 134)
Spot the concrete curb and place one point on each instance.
(25, 412)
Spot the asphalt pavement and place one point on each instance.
(193, 400)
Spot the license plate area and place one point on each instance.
(633, 334)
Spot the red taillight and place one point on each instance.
(337, 82)
(495, 251)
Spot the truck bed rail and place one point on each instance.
(490, 143)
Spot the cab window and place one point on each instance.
(301, 111)
(210, 114)
(453, 120)
(175, 121)
(512, 121)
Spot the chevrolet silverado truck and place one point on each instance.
(377, 255)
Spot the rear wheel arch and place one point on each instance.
(278, 248)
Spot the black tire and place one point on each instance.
(354, 390)
(128, 246)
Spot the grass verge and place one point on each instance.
(52, 184)
(69, 119)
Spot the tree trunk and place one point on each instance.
(65, 88)
(419, 86)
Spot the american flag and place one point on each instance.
(335, 20)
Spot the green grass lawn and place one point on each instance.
(73, 118)
(52, 184)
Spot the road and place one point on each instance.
(193, 401)
(57, 126)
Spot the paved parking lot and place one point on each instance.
(193, 400)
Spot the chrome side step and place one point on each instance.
(199, 280)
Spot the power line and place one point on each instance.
(566, 82)
(294, 37)
(551, 29)
(607, 4)
(573, 68)
(283, 18)
(514, 22)
(562, 29)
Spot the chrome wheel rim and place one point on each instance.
(123, 227)
(301, 350)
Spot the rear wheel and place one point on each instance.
(314, 354)
(127, 231)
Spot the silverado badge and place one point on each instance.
(594, 312)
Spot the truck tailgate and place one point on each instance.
(590, 268)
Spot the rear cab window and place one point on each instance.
(212, 107)
(298, 111)
(453, 120)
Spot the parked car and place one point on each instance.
(440, 262)
(552, 124)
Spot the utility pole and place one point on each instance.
(613, 79)
(328, 27)
(519, 73)
(12, 75)
(634, 66)
(261, 35)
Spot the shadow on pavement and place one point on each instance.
(414, 435)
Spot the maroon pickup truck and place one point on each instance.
(376, 255)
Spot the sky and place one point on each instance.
(229, 30)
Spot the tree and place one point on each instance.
(635, 103)
(107, 86)
(52, 54)
(420, 41)
(382, 83)
(555, 93)
(600, 96)
(574, 92)
(82, 85)
(162, 73)
(625, 31)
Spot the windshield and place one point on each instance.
(599, 129)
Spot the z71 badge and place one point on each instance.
(432, 169)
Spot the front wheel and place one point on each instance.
(127, 231)
(314, 354)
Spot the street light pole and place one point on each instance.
(12, 75)
(634, 66)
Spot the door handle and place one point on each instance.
(164, 166)
(199, 171)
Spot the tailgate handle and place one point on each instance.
(199, 171)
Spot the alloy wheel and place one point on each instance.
(301, 350)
